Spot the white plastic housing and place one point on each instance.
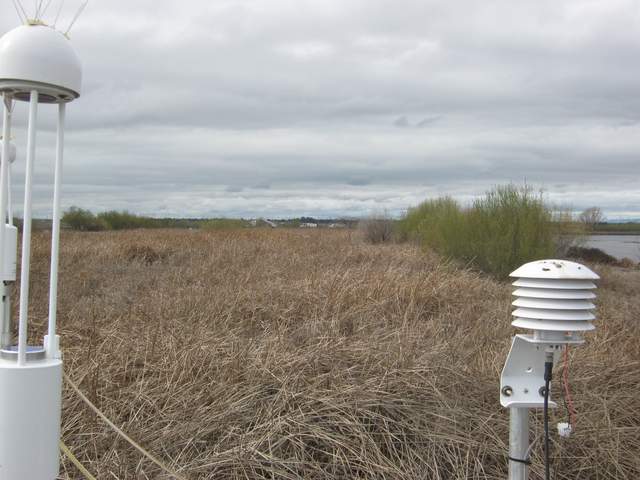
(38, 57)
(554, 296)
(10, 254)
(12, 151)
(30, 402)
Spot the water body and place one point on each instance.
(618, 246)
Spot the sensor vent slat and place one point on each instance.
(555, 326)
(564, 294)
(554, 304)
(555, 284)
(561, 315)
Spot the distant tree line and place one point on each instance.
(84, 220)
(81, 219)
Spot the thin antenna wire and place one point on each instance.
(80, 10)
(24, 13)
(15, 5)
(58, 14)
(44, 10)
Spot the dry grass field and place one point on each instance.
(264, 354)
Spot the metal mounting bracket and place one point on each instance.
(522, 379)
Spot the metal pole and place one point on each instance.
(55, 235)
(5, 324)
(9, 199)
(4, 168)
(26, 231)
(518, 443)
(4, 183)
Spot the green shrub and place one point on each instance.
(80, 219)
(224, 224)
(438, 224)
(126, 221)
(507, 227)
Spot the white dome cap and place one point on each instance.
(12, 151)
(555, 269)
(38, 57)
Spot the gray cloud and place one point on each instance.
(402, 122)
(279, 108)
(428, 121)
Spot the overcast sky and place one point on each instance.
(283, 108)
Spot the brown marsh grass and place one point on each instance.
(264, 354)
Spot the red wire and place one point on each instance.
(567, 390)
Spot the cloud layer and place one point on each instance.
(334, 107)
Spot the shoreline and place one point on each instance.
(614, 233)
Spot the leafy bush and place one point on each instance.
(438, 224)
(507, 227)
(126, 221)
(79, 219)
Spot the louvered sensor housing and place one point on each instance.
(554, 301)
(554, 298)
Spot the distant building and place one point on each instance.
(337, 225)
(308, 225)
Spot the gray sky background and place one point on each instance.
(283, 108)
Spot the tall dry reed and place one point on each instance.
(264, 354)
